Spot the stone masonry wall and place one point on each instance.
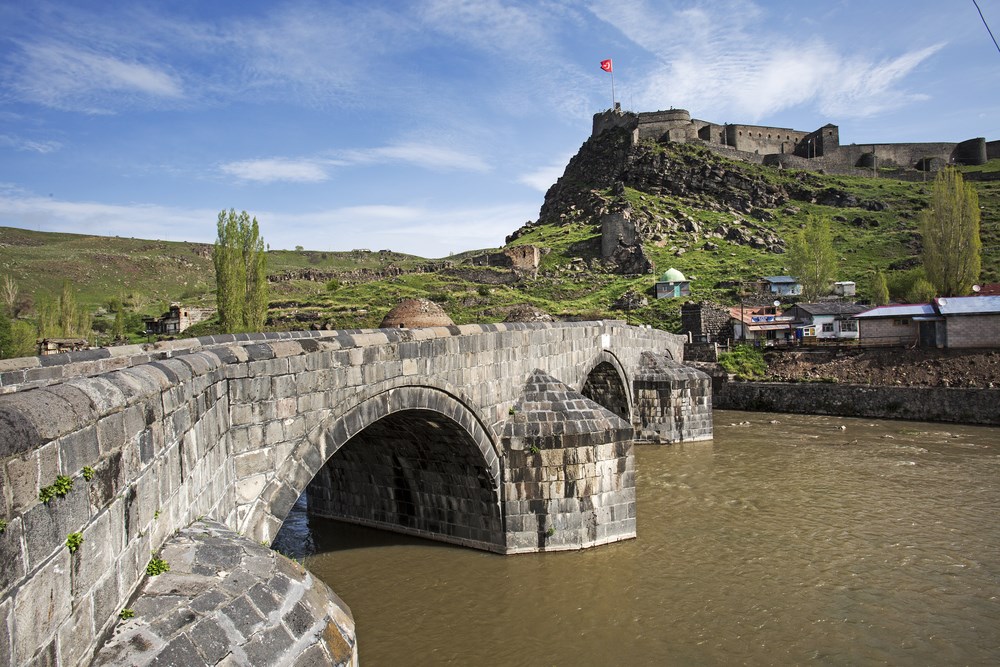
(155, 437)
(944, 404)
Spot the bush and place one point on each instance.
(745, 361)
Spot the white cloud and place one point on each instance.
(26, 210)
(65, 77)
(22, 144)
(427, 155)
(317, 169)
(718, 58)
(273, 170)
(543, 178)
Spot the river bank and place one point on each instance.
(896, 367)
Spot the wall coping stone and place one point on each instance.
(15, 374)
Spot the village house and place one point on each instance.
(176, 320)
(952, 322)
(782, 285)
(760, 325)
(829, 321)
(845, 288)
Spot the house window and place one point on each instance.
(848, 325)
(901, 322)
(828, 327)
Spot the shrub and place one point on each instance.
(744, 361)
(157, 566)
(60, 488)
(73, 541)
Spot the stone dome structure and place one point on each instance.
(672, 275)
(414, 314)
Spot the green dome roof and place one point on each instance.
(672, 275)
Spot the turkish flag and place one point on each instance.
(606, 65)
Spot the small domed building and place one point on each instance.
(672, 284)
(414, 314)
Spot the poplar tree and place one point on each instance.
(950, 231)
(811, 258)
(240, 272)
(880, 289)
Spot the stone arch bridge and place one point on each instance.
(505, 437)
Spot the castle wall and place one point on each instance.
(993, 150)
(672, 125)
(763, 140)
(788, 148)
(613, 118)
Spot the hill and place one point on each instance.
(720, 221)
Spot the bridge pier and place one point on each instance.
(673, 402)
(569, 471)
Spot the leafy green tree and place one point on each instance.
(950, 231)
(240, 272)
(879, 289)
(118, 328)
(921, 291)
(811, 258)
(17, 339)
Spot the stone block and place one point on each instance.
(41, 606)
(78, 449)
(12, 555)
(76, 635)
(111, 432)
(94, 557)
(22, 480)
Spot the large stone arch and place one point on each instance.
(421, 403)
(607, 384)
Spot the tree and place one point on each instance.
(921, 291)
(8, 292)
(811, 258)
(879, 289)
(17, 339)
(240, 272)
(950, 231)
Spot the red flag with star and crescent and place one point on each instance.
(606, 65)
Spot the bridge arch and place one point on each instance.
(607, 384)
(412, 458)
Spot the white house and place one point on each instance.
(830, 320)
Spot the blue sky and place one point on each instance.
(431, 127)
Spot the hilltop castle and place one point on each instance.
(796, 149)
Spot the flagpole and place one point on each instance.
(612, 88)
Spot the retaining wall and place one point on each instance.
(942, 404)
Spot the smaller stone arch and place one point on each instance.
(607, 384)
(313, 451)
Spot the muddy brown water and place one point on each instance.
(786, 540)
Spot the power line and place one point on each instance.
(986, 24)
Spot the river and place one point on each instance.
(787, 539)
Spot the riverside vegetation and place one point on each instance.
(717, 237)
